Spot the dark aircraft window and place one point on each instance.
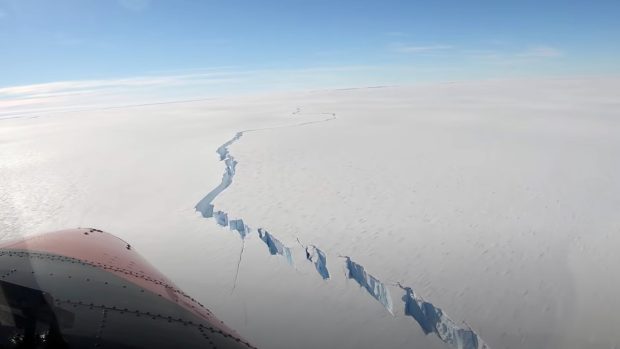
(28, 318)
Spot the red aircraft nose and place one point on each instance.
(87, 288)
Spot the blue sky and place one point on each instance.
(348, 42)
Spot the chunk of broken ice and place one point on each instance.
(275, 246)
(372, 285)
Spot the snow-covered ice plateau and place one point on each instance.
(460, 215)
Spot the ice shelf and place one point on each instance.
(430, 318)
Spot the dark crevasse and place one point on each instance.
(221, 218)
(431, 319)
(205, 206)
(240, 227)
(275, 246)
(207, 209)
(318, 257)
(373, 286)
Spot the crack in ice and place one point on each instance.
(238, 265)
(275, 246)
(316, 256)
(431, 319)
(373, 286)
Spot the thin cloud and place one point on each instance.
(484, 55)
(61, 87)
(541, 52)
(513, 57)
(204, 77)
(76, 94)
(420, 49)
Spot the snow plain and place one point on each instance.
(495, 201)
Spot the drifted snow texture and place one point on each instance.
(431, 319)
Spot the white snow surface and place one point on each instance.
(495, 201)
